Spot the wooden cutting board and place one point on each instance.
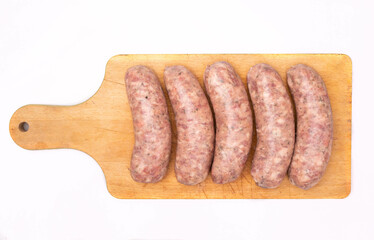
(102, 127)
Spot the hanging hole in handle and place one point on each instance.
(23, 126)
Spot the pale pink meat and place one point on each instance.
(275, 126)
(195, 127)
(233, 121)
(314, 126)
(151, 153)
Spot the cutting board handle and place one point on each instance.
(47, 127)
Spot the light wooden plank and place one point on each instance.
(102, 127)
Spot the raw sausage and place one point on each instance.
(195, 127)
(275, 126)
(151, 153)
(233, 121)
(314, 126)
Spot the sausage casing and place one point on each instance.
(151, 153)
(275, 126)
(195, 126)
(233, 121)
(314, 126)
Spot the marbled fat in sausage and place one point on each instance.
(275, 126)
(151, 153)
(233, 121)
(314, 126)
(195, 126)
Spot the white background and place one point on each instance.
(54, 52)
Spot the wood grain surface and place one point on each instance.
(102, 127)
